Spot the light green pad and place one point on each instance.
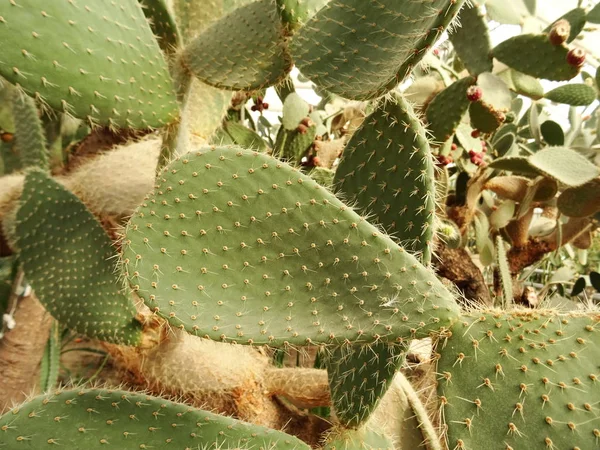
(66, 256)
(525, 379)
(361, 49)
(97, 419)
(253, 39)
(95, 60)
(387, 169)
(238, 246)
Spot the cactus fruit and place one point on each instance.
(579, 94)
(275, 257)
(520, 379)
(106, 67)
(534, 55)
(362, 439)
(258, 55)
(387, 169)
(559, 163)
(359, 376)
(559, 32)
(97, 418)
(572, 23)
(30, 141)
(387, 39)
(448, 107)
(472, 40)
(581, 201)
(66, 256)
(576, 57)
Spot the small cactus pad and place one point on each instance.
(97, 61)
(535, 55)
(361, 439)
(359, 376)
(472, 40)
(30, 141)
(504, 269)
(257, 54)
(387, 169)
(484, 117)
(66, 257)
(162, 23)
(525, 379)
(578, 94)
(361, 49)
(97, 419)
(527, 85)
(296, 12)
(238, 246)
(447, 109)
(581, 201)
(559, 163)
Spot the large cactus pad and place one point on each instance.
(236, 245)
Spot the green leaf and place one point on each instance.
(578, 287)
(595, 280)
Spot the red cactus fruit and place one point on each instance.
(576, 57)
(474, 93)
(560, 31)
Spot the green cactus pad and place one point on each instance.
(447, 109)
(593, 16)
(387, 170)
(552, 133)
(359, 376)
(361, 49)
(484, 117)
(362, 439)
(296, 12)
(527, 85)
(30, 141)
(66, 256)
(244, 136)
(97, 61)
(254, 40)
(576, 18)
(472, 40)
(581, 201)
(525, 379)
(504, 269)
(295, 108)
(162, 23)
(235, 245)
(534, 55)
(96, 419)
(579, 94)
(299, 143)
(559, 163)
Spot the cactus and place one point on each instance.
(95, 418)
(552, 133)
(290, 254)
(359, 377)
(258, 58)
(107, 71)
(447, 109)
(579, 94)
(388, 170)
(504, 270)
(576, 19)
(472, 40)
(363, 439)
(49, 367)
(30, 141)
(520, 379)
(360, 68)
(162, 23)
(527, 85)
(535, 55)
(294, 13)
(65, 255)
(580, 201)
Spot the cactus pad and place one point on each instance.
(578, 94)
(66, 257)
(361, 49)
(30, 141)
(162, 23)
(296, 12)
(97, 61)
(388, 170)
(362, 439)
(96, 419)
(472, 40)
(235, 245)
(359, 376)
(447, 109)
(534, 55)
(521, 379)
(254, 39)
(581, 201)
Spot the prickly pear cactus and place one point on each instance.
(101, 418)
(97, 61)
(387, 170)
(521, 379)
(235, 245)
(363, 439)
(66, 256)
(361, 49)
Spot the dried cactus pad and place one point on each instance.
(522, 380)
(238, 246)
(95, 60)
(66, 256)
(96, 419)
(361, 49)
